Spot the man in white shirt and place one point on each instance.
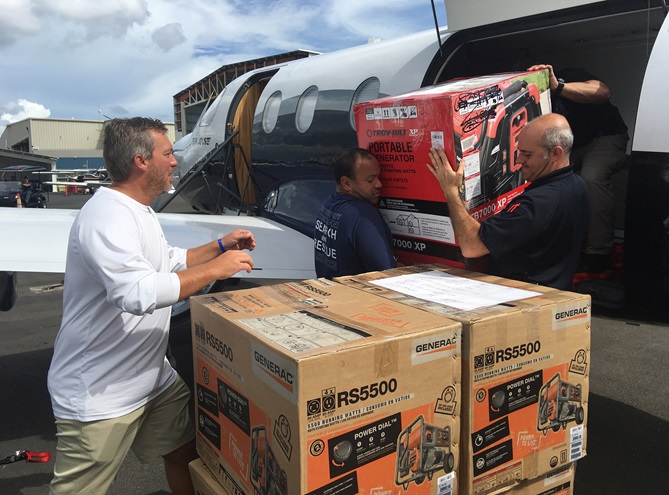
(111, 386)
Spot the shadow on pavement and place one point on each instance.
(26, 403)
(626, 451)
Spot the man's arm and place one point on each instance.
(466, 227)
(592, 91)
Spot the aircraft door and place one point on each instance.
(243, 121)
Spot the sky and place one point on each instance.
(93, 59)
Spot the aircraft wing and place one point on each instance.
(76, 184)
(35, 240)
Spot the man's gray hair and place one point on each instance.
(559, 136)
(125, 138)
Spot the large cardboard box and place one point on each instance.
(525, 357)
(478, 119)
(204, 481)
(558, 482)
(316, 388)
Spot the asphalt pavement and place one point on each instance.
(628, 419)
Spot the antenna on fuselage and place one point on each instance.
(436, 26)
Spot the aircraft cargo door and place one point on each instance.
(243, 121)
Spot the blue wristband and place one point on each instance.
(220, 244)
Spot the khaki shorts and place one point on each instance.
(89, 454)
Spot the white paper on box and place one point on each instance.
(449, 290)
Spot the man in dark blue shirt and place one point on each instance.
(538, 236)
(350, 235)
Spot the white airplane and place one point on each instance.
(82, 178)
(260, 154)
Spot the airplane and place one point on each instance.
(261, 153)
(83, 179)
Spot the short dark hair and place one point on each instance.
(345, 164)
(125, 138)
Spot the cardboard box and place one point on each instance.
(525, 368)
(478, 119)
(558, 482)
(204, 481)
(316, 388)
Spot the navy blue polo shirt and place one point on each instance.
(351, 237)
(538, 236)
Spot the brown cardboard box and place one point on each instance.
(524, 377)
(558, 482)
(316, 388)
(204, 481)
(477, 119)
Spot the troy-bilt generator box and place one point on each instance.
(204, 481)
(316, 388)
(525, 358)
(478, 119)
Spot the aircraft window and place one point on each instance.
(367, 91)
(306, 107)
(271, 112)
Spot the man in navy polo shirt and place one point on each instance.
(538, 236)
(350, 235)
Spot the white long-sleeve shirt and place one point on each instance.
(109, 354)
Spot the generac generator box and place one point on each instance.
(557, 482)
(478, 119)
(204, 481)
(316, 388)
(525, 368)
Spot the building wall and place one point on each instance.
(74, 143)
(66, 135)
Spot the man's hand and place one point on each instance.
(553, 82)
(231, 262)
(239, 239)
(221, 267)
(449, 180)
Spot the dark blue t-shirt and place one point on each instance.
(351, 237)
(538, 237)
(587, 121)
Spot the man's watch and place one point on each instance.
(560, 87)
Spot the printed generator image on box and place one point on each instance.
(525, 370)
(315, 388)
(478, 119)
(422, 450)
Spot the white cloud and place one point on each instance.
(129, 57)
(14, 111)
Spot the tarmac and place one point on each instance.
(627, 422)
